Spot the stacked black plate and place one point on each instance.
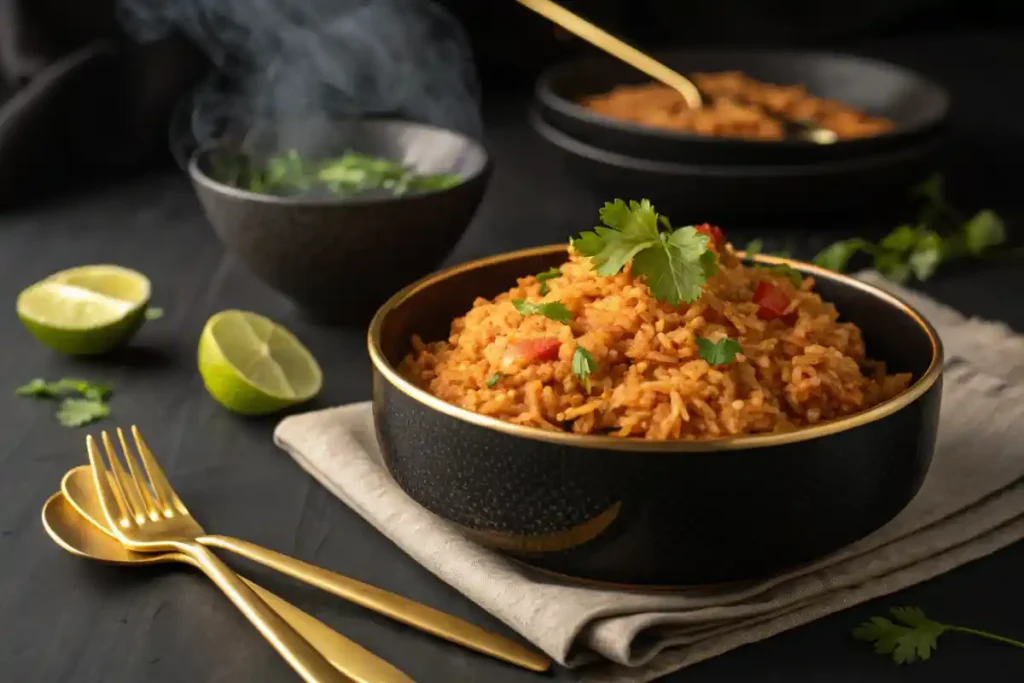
(700, 178)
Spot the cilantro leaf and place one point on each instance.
(76, 412)
(984, 230)
(583, 364)
(628, 229)
(494, 379)
(837, 255)
(62, 388)
(753, 248)
(678, 267)
(721, 352)
(553, 310)
(913, 637)
(675, 263)
(154, 313)
(785, 270)
(549, 274)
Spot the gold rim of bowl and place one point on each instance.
(616, 443)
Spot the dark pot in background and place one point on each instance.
(339, 258)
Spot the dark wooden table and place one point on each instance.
(63, 619)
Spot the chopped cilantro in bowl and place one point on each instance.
(347, 175)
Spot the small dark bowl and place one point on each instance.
(339, 258)
(917, 106)
(692, 193)
(654, 513)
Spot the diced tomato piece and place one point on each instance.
(712, 231)
(771, 300)
(531, 351)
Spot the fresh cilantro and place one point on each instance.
(787, 271)
(75, 412)
(940, 235)
(549, 274)
(753, 248)
(154, 313)
(676, 263)
(583, 364)
(63, 388)
(494, 379)
(81, 401)
(721, 352)
(913, 637)
(553, 310)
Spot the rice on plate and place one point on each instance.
(655, 332)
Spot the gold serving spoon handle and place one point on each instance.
(598, 37)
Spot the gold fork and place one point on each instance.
(147, 516)
(383, 602)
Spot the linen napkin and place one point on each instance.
(971, 504)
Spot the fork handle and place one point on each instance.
(306, 660)
(396, 607)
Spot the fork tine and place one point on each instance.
(123, 483)
(161, 487)
(153, 506)
(113, 507)
(138, 490)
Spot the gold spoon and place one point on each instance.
(601, 39)
(84, 535)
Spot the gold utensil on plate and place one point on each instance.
(601, 39)
(394, 606)
(146, 516)
(84, 532)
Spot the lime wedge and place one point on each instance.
(86, 310)
(253, 366)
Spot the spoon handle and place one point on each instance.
(396, 607)
(307, 661)
(603, 40)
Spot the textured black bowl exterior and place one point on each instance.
(917, 106)
(693, 193)
(643, 513)
(341, 258)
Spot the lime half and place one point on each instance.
(253, 366)
(85, 310)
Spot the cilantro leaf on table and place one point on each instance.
(940, 235)
(583, 364)
(553, 310)
(62, 388)
(675, 263)
(910, 636)
(76, 412)
(81, 401)
(549, 274)
(721, 352)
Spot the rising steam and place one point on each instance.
(282, 61)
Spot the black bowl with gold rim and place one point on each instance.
(654, 513)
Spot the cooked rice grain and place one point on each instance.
(650, 381)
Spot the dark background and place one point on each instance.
(64, 620)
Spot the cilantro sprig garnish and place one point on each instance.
(553, 310)
(721, 352)
(549, 274)
(914, 251)
(81, 401)
(910, 636)
(675, 262)
(583, 365)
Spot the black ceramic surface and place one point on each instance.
(698, 193)
(917, 106)
(636, 512)
(340, 258)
